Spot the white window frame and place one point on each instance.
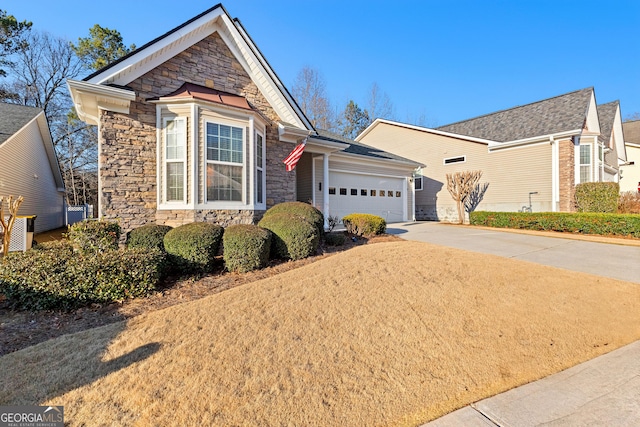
(225, 204)
(418, 176)
(464, 160)
(165, 189)
(590, 164)
(260, 167)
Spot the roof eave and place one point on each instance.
(89, 98)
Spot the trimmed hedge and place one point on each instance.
(54, 276)
(584, 223)
(246, 247)
(293, 236)
(601, 197)
(193, 247)
(94, 235)
(305, 210)
(364, 224)
(148, 236)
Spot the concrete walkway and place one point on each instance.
(602, 391)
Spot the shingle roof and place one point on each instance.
(606, 115)
(359, 148)
(13, 117)
(631, 131)
(561, 113)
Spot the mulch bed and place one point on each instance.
(21, 329)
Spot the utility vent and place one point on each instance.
(459, 159)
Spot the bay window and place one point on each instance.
(175, 159)
(224, 162)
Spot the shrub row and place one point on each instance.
(585, 223)
(193, 247)
(55, 276)
(93, 235)
(246, 247)
(364, 224)
(599, 197)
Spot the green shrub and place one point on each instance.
(364, 224)
(94, 235)
(585, 223)
(293, 236)
(305, 210)
(601, 197)
(148, 236)
(54, 276)
(335, 239)
(246, 247)
(193, 247)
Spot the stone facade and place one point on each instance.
(566, 154)
(128, 142)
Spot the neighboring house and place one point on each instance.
(630, 172)
(194, 126)
(531, 156)
(29, 167)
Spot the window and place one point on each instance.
(585, 162)
(260, 168)
(332, 190)
(600, 152)
(363, 192)
(398, 194)
(459, 159)
(224, 162)
(373, 193)
(175, 158)
(417, 180)
(389, 193)
(354, 191)
(381, 193)
(343, 191)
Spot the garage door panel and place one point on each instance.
(390, 206)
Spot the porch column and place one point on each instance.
(325, 189)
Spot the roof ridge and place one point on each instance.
(516, 107)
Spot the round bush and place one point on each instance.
(364, 224)
(305, 210)
(246, 247)
(148, 236)
(293, 236)
(193, 247)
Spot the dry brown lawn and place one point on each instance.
(395, 333)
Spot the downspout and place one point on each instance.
(325, 189)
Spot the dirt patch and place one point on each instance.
(395, 333)
(20, 329)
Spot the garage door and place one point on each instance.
(355, 193)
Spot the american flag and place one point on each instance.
(294, 156)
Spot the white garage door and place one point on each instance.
(355, 193)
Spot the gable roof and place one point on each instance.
(553, 115)
(361, 149)
(166, 46)
(607, 115)
(13, 117)
(632, 131)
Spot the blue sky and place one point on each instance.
(444, 60)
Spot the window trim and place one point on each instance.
(164, 187)
(262, 168)
(206, 161)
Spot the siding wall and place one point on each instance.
(630, 175)
(510, 173)
(24, 156)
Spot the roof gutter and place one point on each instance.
(495, 146)
(90, 98)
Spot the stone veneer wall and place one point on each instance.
(566, 154)
(128, 142)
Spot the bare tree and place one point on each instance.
(461, 185)
(309, 91)
(37, 74)
(6, 225)
(632, 117)
(380, 105)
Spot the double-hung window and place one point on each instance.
(585, 162)
(224, 162)
(175, 159)
(259, 168)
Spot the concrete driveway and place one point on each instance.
(619, 259)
